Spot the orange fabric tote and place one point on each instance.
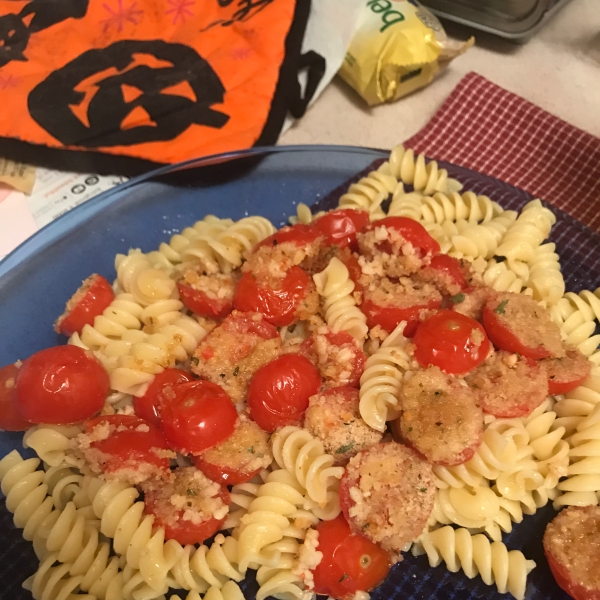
(125, 85)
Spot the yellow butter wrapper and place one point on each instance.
(398, 47)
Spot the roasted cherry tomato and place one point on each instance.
(571, 548)
(516, 323)
(340, 226)
(567, 373)
(61, 385)
(148, 406)
(299, 234)
(88, 302)
(412, 232)
(196, 416)
(278, 306)
(202, 304)
(279, 391)
(389, 317)
(335, 371)
(131, 444)
(451, 267)
(10, 420)
(451, 341)
(350, 562)
(198, 494)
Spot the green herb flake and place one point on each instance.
(410, 429)
(251, 450)
(236, 371)
(344, 576)
(345, 448)
(500, 308)
(190, 492)
(457, 298)
(365, 526)
(194, 361)
(423, 489)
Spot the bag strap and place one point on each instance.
(314, 64)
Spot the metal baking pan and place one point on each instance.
(516, 20)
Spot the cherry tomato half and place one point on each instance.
(278, 306)
(10, 420)
(90, 300)
(196, 416)
(566, 374)
(149, 405)
(299, 234)
(350, 562)
(189, 482)
(412, 231)
(131, 442)
(451, 341)
(389, 317)
(202, 304)
(61, 385)
(279, 391)
(451, 267)
(340, 226)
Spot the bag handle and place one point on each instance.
(315, 65)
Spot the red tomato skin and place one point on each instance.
(97, 298)
(563, 387)
(127, 445)
(299, 234)
(341, 226)
(444, 340)
(278, 393)
(186, 532)
(564, 580)
(339, 574)
(196, 416)
(412, 231)
(244, 323)
(202, 304)
(222, 475)
(451, 267)
(61, 385)
(148, 406)
(277, 306)
(10, 420)
(506, 340)
(389, 317)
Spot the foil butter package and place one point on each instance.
(398, 47)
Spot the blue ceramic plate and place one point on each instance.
(40, 275)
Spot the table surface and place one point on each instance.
(558, 69)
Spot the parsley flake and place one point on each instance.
(457, 298)
(345, 448)
(500, 308)
(236, 371)
(342, 578)
(190, 492)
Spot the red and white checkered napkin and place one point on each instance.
(486, 128)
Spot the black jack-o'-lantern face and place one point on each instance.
(128, 93)
(13, 39)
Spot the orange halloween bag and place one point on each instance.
(122, 86)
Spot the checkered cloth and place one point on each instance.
(488, 129)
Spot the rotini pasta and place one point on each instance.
(381, 382)
(51, 443)
(475, 555)
(455, 207)
(369, 193)
(341, 313)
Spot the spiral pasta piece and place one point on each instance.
(230, 591)
(499, 277)
(576, 314)
(138, 277)
(140, 356)
(122, 314)
(341, 313)
(424, 177)
(455, 207)
(406, 204)
(368, 193)
(52, 443)
(582, 484)
(475, 555)
(303, 455)
(545, 277)
(381, 381)
(170, 254)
